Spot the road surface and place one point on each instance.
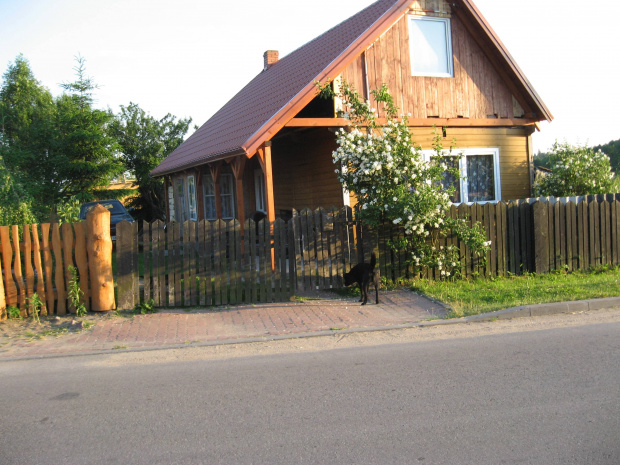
(533, 391)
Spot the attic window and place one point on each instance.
(430, 44)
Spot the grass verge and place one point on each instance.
(471, 297)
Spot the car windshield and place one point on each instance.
(116, 208)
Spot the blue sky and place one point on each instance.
(189, 57)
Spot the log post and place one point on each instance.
(99, 247)
(3, 315)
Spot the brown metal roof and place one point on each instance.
(277, 94)
(238, 125)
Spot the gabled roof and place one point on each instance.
(276, 95)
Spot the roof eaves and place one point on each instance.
(157, 172)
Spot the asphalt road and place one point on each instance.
(550, 396)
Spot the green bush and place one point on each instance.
(576, 170)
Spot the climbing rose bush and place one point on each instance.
(576, 170)
(393, 182)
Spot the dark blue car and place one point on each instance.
(118, 213)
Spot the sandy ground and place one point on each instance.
(27, 328)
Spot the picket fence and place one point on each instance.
(214, 263)
(38, 260)
(220, 263)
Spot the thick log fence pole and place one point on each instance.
(99, 247)
(3, 314)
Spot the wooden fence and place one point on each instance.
(38, 258)
(219, 263)
(210, 263)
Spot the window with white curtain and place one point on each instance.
(259, 191)
(181, 204)
(227, 194)
(191, 198)
(480, 175)
(208, 191)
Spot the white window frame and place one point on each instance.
(259, 190)
(471, 152)
(447, 49)
(191, 198)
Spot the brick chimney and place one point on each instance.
(270, 57)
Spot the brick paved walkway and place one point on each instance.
(170, 328)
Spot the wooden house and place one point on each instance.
(269, 149)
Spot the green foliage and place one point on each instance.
(69, 210)
(54, 148)
(85, 146)
(75, 293)
(612, 150)
(393, 182)
(145, 307)
(576, 170)
(474, 296)
(15, 203)
(13, 312)
(35, 303)
(144, 142)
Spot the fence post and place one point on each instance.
(541, 237)
(2, 300)
(99, 247)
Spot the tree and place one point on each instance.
(394, 183)
(85, 149)
(27, 114)
(576, 170)
(15, 202)
(26, 107)
(57, 149)
(612, 150)
(144, 142)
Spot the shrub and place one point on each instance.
(576, 170)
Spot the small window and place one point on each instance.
(480, 181)
(259, 190)
(430, 44)
(208, 189)
(227, 195)
(171, 202)
(181, 205)
(191, 198)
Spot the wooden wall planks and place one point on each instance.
(476, 91)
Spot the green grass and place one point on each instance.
(471, 297)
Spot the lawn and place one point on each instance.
(470, 297)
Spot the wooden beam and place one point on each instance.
(238, 166)
(416, 122)
(215, 174)
(264, 157)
